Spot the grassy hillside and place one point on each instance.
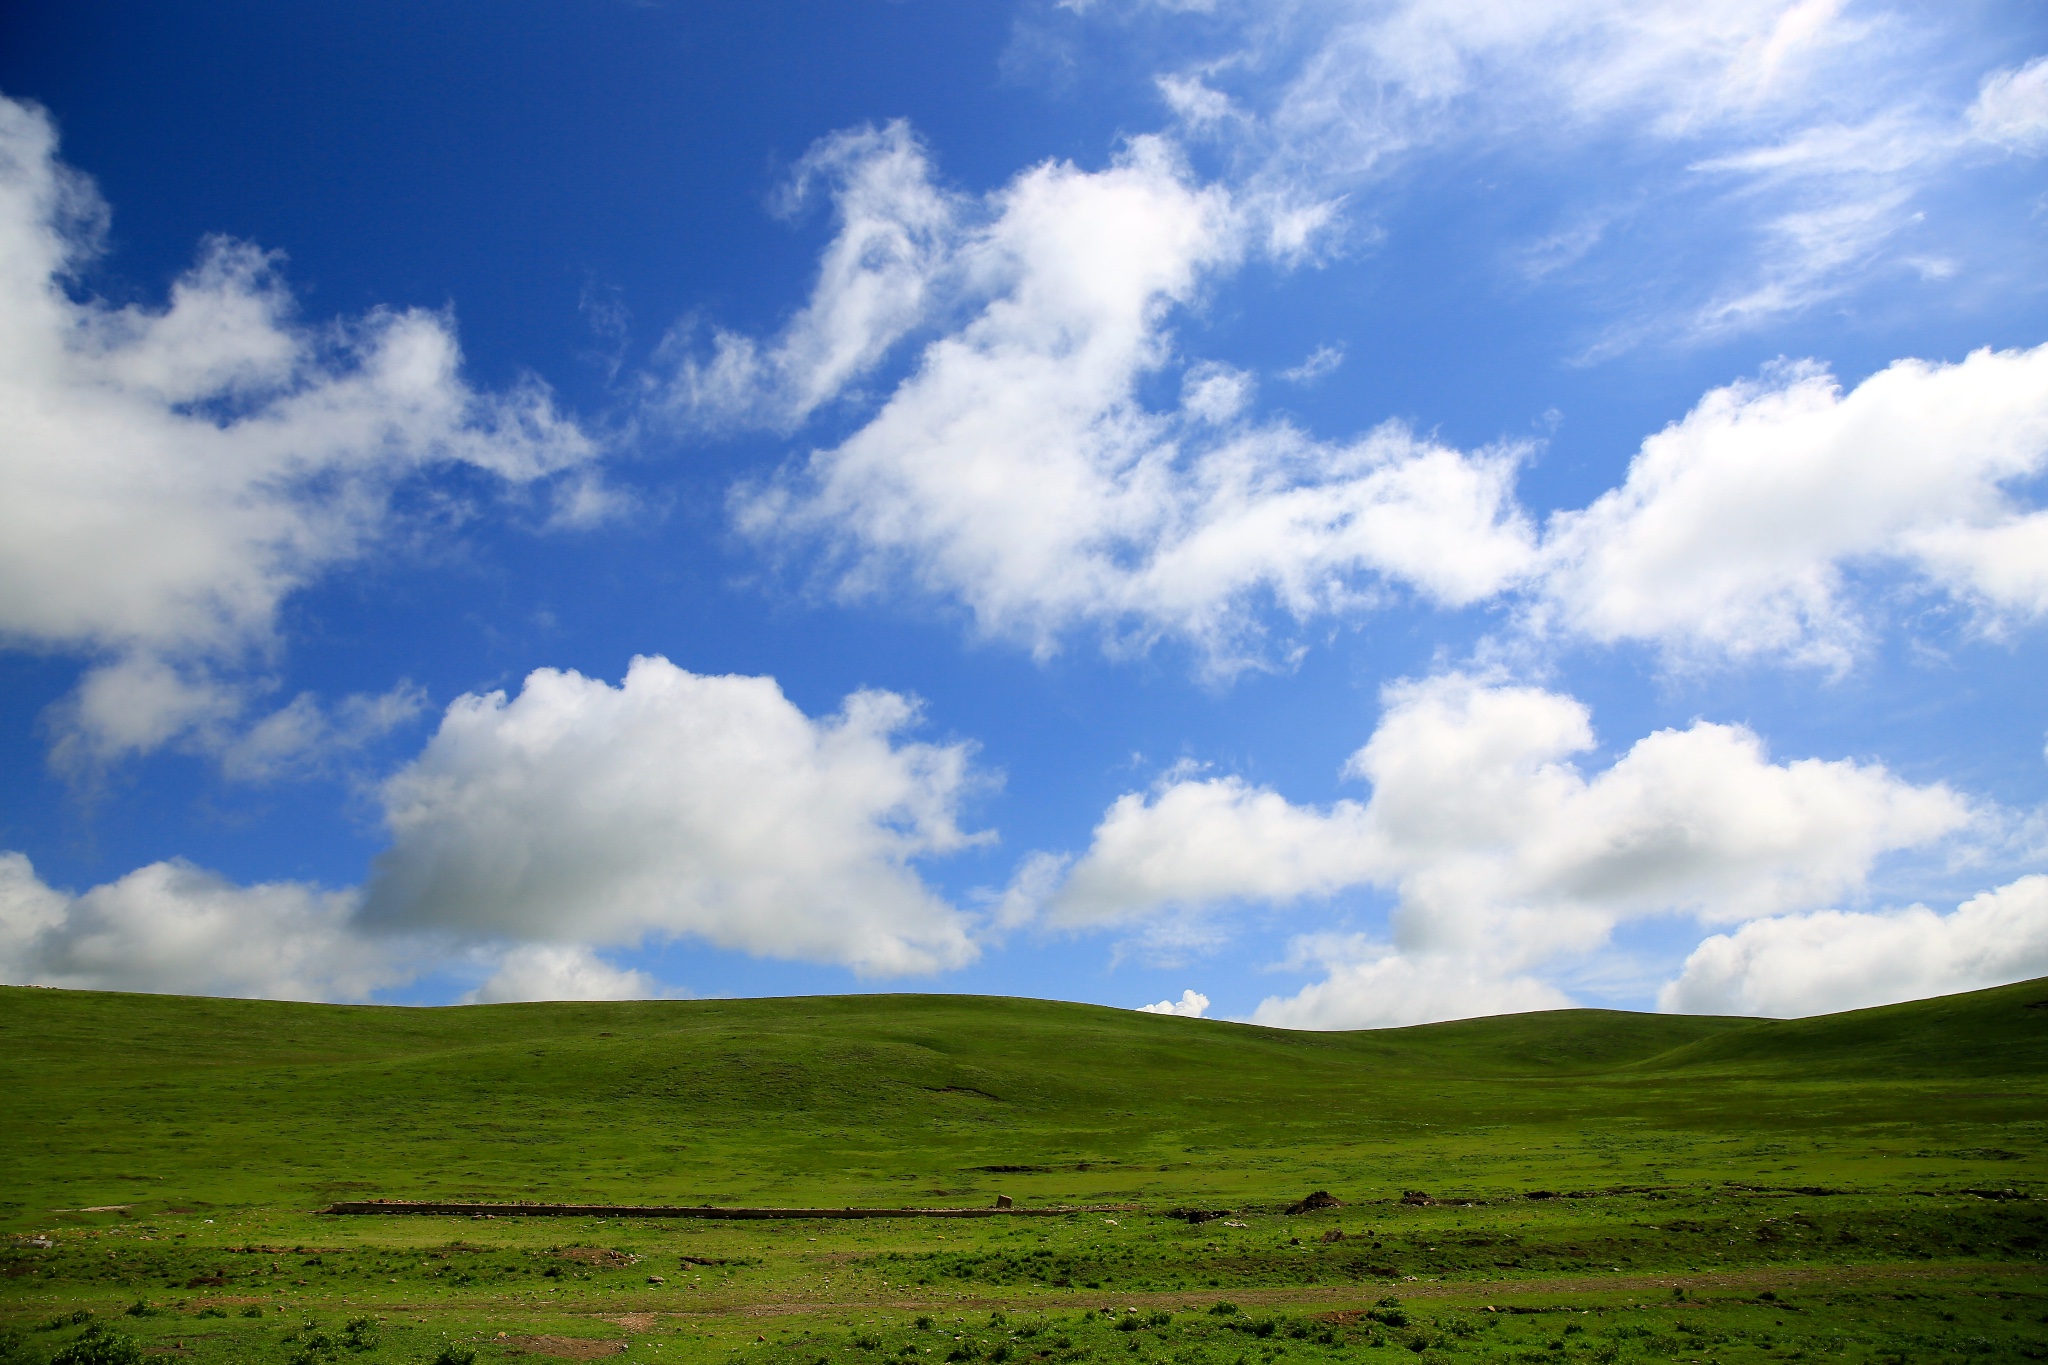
(908, 1098)
(1596, 1187)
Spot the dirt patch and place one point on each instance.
(1321, 1199)
(565, 1348)
(635, 1322)
(593, 1255)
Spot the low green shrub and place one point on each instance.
(96, 1345)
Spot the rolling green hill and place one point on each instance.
(907, 1098)
(1577, 1186)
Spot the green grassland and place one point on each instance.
(1578, 1185)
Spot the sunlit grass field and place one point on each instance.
(1578, 1185)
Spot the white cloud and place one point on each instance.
(1321, 361)
(303, 736)
(1191, 1005)
(533, 831)
(1215, 393)
(1738, 527)
(1384, 77)
(1380, 987)
(1016, 470)
(174, 928)
(1490, 833)
(885, 268)
(1196, 842)
(1839, 960)
(2012, 107)
(1822, 125)
(171, 475)
(678, 805)
(1194, 103)
(140, 702)
(1502, 852)
(553, 971)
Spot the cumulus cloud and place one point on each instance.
(1016, 470)
(1840, 960)
(555, 971)
(1737, 527)
(1192, 843)
(171, 474)
(1191, 1005)
(1479, 819)
(174, 928)
(1377, 986)
(678, 805)
(533, 831)
(1502, 852)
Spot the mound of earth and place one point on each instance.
(1320, 1199)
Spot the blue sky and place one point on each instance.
(1336, 513)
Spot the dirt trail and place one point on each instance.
(1659, 1286)
(1750, 1280)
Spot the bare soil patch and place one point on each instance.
(565, 1348)
(635, 1322)
(594, 1255)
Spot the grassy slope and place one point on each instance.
(219, 1122)
(134, 1098)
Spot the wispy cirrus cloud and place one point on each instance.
(1787, 148)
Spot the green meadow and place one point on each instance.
(1571, 1186)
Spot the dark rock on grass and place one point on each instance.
(1320, 1199)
